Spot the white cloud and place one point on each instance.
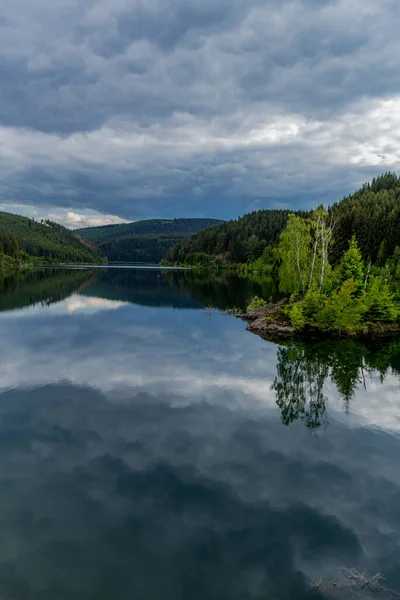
(75, 220)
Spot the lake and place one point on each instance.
(152, 448)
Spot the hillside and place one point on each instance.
(25, 240)
(233, 241)
(372, 213)
(143, 241)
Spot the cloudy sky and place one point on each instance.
(127, 109)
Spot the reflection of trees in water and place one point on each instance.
(303, 368)
(222, 290)
(25, 287)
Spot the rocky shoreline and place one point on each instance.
(269, 322)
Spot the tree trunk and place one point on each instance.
(323, 255)
(314, 252)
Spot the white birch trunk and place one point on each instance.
(314, 252)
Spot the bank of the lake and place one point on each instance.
(270, 322)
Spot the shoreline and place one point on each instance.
(270, 323)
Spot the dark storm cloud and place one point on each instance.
(195, 107)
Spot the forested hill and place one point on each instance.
(233, 241)
(143, 241)
(25, 240)
(372, 214)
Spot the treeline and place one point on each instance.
(28, 241)
(143, 241)
(240, 241)
(372, 214)
(139, 248)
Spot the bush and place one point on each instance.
(255, 303)
(380, 302)
(342, 311)
(312, 304)
(296, 316)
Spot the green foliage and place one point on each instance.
(25, 240)
(351, 265)
(155, 227)
(256, 267)
(393, 264)
(236, 242)
(296, 316)
(255, 303)
(294, 254)
(312, 304)
(341, 311)
(143, 241)
(380, 301)
(372, 214)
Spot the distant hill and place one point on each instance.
(24, 240)
(143, 241)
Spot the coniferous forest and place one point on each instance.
(143, 241)
(23, 240)
(372, 214)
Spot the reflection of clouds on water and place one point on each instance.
(140, 347)
(73, 304)
(78, 303)
(373, 404)
(168, 350)
(201, 494)
(140, 441)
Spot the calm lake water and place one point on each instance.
(153, 449)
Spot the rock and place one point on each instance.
(268, 320)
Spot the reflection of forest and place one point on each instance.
(224, 290)
(25, 287)
(146, 287)
(303, 368)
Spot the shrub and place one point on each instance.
(297, 317)
(342, 311)
(381, 305)
(255, 303)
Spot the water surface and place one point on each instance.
(152, 448)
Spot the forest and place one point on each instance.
(352, 297)
(25, 241)
(240, 241)
(372, 214)
(143, 241)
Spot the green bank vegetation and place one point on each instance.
(351, 297)
(248, 244)
(28, 242)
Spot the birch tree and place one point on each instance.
(294, 253)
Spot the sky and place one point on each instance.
(116, 110)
